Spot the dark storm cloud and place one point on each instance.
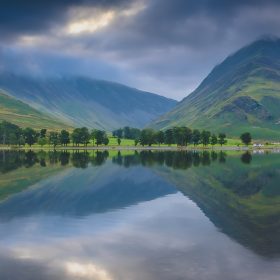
(34, 16)
(187, 23)
(168, 46)
(19, 16)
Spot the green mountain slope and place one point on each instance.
(241, 94)
(20, 113)
(82, 101)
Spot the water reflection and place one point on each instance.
(246, 158)
(10, 160)
(139, 215)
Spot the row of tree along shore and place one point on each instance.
(13, 135)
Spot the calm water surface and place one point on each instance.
(139, 216)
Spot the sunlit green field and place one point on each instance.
(130, 143)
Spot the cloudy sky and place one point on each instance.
(162, 46)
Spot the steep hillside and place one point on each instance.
(241, 94)
(81, 101)
(22, 114)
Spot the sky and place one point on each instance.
(163, 46)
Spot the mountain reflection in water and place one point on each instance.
(139, 215)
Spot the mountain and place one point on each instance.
(80, 101)
(240, 94)
(22, 114)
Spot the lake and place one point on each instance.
(139, 215)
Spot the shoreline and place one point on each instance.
(145, 148)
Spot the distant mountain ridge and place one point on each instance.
(81, 101)
(240, 94)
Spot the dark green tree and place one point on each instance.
(246, 138)
(147, 137)
(99, 137)
(168, 137)
(43, 133)
(136, 141)
(188, 136)
(118, 133)
(159, 136)
(119, 141)
(54, 138)
(126, 132)
(196, 137)
(76, 136)
(182, 135)
(205, 137)
(30, 136)
(222, 139)
(64, 137)
(213, 140)
(93, 135)
(84, 135)
(177, 135)
(42, 141)
(10, 133)
(106, 140)
(135, 133)
(21, 140)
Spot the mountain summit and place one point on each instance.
(240, 94)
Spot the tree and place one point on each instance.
(246, 138)
(135, 133)
(42, 141)
(188, 136)
(106, 140)
(118, 133)
(13, 139)
(222, 139)
(182, 135)
(64, 137)
(54, 138)
(136, 141)
(99, 137)
(126, 132)
(84, 135)
(77, 136)
(147, 137)
(43, 133)
(177, 136)
(196, 137)
(159, 136)
(213, 140)
(168, 137)
(21, 140)
(30, 136)
(93, 135)
(10, 133)
(119, 141)
(205, 137)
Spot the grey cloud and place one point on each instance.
(167, 47)
(35, 16)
